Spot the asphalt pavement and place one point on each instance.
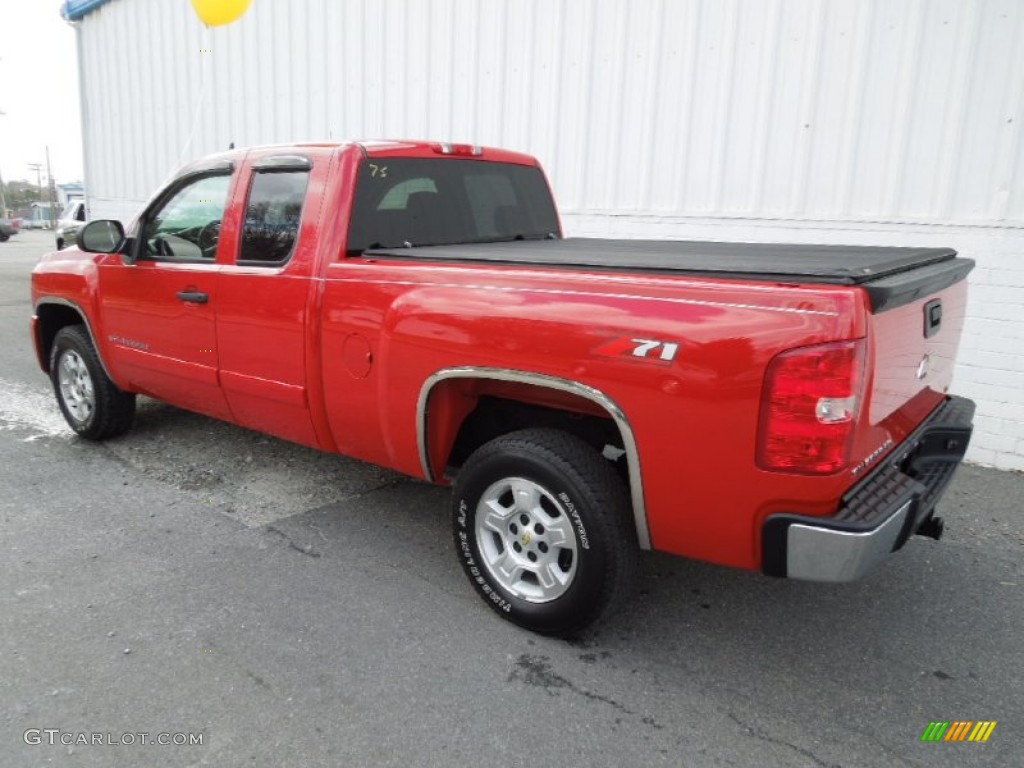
(197, 581)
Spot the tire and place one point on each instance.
(4, 237)
(60, 244)
(92, 404)
(542, 528)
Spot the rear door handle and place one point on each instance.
(194, 297)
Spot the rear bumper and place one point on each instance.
(879, 514)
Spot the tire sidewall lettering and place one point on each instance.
(467, 551)
(574, 515)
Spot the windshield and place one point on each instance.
(403, 202)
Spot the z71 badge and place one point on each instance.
(645, 350)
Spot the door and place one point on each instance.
(263, 294)
(158, 312)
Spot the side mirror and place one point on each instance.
(101, 236)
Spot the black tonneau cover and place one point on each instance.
(891, 276)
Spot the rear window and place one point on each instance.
(402, 202)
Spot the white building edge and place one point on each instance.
(850, 121)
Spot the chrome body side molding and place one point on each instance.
(549, 382)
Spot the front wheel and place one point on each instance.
(93, 406)
(541, 523)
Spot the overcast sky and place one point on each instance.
(38, 91)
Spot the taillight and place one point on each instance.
(811, 399)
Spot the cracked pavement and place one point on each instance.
(301, 609)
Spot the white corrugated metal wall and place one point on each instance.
(857, 121)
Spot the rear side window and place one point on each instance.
(272, 216)
(412, 202)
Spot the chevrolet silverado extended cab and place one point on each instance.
(781, 408)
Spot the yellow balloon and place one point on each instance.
(217, 12)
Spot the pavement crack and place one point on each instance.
(757, 733)
(386, 485)
(305, 549)
(536, 671)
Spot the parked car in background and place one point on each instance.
(72, 219)
(6, 230)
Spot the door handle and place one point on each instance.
(194, 297)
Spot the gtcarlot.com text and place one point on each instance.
(55, 736)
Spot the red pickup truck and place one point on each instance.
(773, 407)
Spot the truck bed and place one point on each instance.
(891, 276)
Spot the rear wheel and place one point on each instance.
(541, 525)
(94, 407)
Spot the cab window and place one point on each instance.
(272, 217)
(187, 226)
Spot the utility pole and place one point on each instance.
(37, 167)
(3, 198)
(52, 191)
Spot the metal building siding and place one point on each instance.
(858, 121)
(785, 109)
